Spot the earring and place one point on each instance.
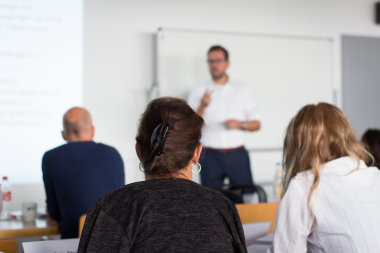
(140, 167)
(198, 170)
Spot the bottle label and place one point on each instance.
(7, 196)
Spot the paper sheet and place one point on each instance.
(55, 246)
(254, 231)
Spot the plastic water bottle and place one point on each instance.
(277, 183)
(7, 199)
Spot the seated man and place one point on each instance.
(76, 174)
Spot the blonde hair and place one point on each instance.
(316, 135)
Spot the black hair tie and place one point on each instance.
(159, 138)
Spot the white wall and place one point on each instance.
(119, 51)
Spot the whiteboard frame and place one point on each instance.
(156, 87)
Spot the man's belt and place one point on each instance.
(226, 150)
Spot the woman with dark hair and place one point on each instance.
(167, 212)
(371, 139)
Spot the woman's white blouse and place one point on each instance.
(346, 208)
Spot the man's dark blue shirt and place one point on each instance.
(76, 175)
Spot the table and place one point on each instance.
(39, 227)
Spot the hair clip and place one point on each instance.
(159, 138)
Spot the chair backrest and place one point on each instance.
(8, 246)
(82, 219)
(235, 192)
(262, 212)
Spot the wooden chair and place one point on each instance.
(82, 219)
(8, 246)
(262, 212)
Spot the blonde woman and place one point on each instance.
(331, 201)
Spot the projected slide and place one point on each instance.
(41, 76)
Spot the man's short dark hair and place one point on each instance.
(217, 47)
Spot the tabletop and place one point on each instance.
(39, 227)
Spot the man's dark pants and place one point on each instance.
(216, 165)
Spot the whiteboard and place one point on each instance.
(284, 73)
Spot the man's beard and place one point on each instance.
(217, 77)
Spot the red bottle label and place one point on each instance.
(7, 196)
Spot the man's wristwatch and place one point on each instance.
(244, 127)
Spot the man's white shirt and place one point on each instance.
(232, 100)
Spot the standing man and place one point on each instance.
(229, 110)
(76, 174)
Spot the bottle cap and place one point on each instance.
(5, 178)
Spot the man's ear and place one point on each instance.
(138, 151)
(197, 154)
(92, 132)
(63, 135)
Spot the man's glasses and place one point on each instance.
(216, 61)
